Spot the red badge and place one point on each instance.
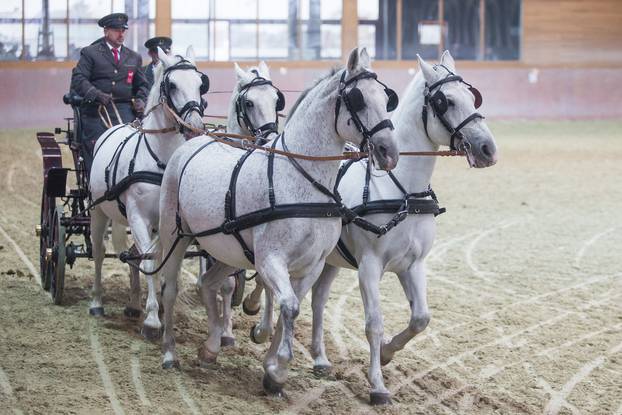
(130, 77)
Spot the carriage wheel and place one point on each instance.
(57, 240)
(48, 207)
(238, 293)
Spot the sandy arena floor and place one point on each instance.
(525, 289)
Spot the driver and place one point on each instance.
(110, 78)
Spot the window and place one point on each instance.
(258, 29)
(58, 32)
(469, 29)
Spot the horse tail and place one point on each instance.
(120, 241)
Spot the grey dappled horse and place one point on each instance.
(113, 161)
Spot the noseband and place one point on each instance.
(438, 104)
(191, 106)
(355, 102)
(244, 120)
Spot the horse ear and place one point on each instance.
(364, 59)
(264, 70)
(448, 61)
(163, 57)
(190, 54)
(428, 71)
(239, 72)
(353, 60)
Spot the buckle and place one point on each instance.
(228, 227)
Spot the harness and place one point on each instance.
(439, 105)
(354, 102)
(242, 103)
(114, 188)
(233, 224)
(420, 203)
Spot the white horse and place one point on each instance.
(253, 114)
(402, 250)
(289, 252)
(122, 148)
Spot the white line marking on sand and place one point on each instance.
(185, 396)
(21, 255)
(7, 390)
(589, 243)
(136, 376)
(98, 356)
(336, 323)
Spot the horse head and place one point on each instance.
(181, 87)
(450, 114)
(362, 112)
(257, 101)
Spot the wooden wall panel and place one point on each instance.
(572, 31)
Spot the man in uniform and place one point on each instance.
(152, 44)
(109, 77)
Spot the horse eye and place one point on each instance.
(450, 103)
(172, 86)
(249, 104)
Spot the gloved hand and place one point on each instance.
(139, 106)
(103, 98)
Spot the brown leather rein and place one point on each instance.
(247, 142)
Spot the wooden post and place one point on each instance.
(399, 28)
(163, 19)
(349, 27)
(482, 30)
(441, 22)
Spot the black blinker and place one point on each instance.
(356, 100)
(477, 95)
(204, 84)
(393, 100)
(280, 101)
(439, 102)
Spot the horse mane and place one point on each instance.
(304, 93)
(158, 73)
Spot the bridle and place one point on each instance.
(190, 106)
(241, 103)
(354, 102)
(438, 104)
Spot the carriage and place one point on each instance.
(65, 209)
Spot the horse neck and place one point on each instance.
(414, 172)
(162, 144)
(311, 131)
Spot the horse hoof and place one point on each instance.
(132, 313)
(248, 311)
(252, 335)
(171, 364)
(206, 358)
(96, 311)
(151, 333)
(321, 371)
(227, 341)
(379, 398)
(384, 360)
(272, 388)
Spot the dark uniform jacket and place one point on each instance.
(149, 74)
(96, 70)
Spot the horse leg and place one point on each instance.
(99, 223)
(170, 270)
(276, 277)
(210, 282)
(226, 292)
(251, 303)
(260, 333)
(141, 231)
(321, 289)
(370, 272)
(415, 286)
